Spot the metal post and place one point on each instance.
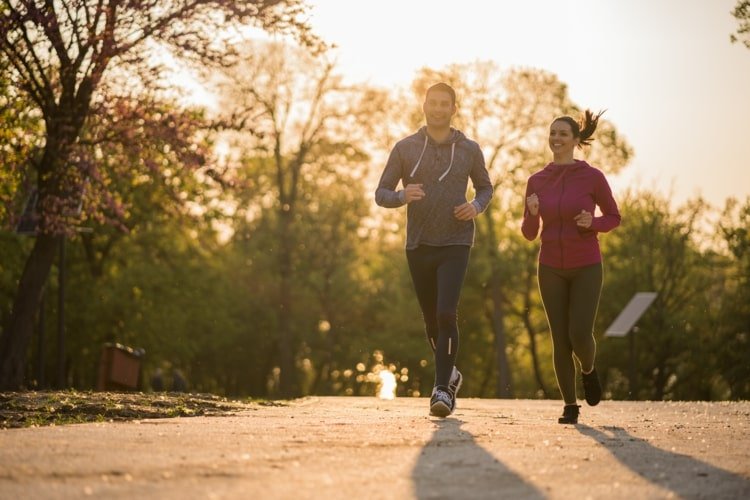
(40, 343)
(633, 382)
(61, 383)
(624, 324)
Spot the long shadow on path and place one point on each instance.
(683, 475)
(453, 465)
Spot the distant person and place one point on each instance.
(434, 166)
(179, 382)
(157, 380)
(564, 195)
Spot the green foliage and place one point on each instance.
(19, 144)
(741, 12)
(664, 250)
(732, 318)
(183, 256)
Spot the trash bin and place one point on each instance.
(119, 368)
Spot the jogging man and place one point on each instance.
(434, 166)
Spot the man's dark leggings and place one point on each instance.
(438, 274)
(571, 299)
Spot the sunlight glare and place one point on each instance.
(387, 385)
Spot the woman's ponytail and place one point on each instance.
(588, 127)
(584, 128)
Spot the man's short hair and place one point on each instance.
(443, 87)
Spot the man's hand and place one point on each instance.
(413, 192)
(467, 211)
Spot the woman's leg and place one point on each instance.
(585, 290)
(553, 287)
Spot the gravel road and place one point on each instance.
(362, 448)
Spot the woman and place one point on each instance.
(564, 196)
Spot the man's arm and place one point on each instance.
(480, 179)
(386, 194)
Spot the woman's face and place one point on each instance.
(561, 140)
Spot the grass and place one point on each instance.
(42, 408)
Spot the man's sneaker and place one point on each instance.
(570, 415)
(592, 389)
(455, 383)
(441, 402)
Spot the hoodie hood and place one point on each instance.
(454, 137)
(554, 173)
(556, 169)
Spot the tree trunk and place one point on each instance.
(52, 184)
(330, 342)
(15, 341)
(487, 376)
(504, 387)
(286, 352)
(532, 337)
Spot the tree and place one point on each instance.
(741, 12)
(657, 250)
(297, 125)
(19, 143)
(733, 314)
(59, 55)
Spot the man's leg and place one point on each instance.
(424, 277)
(451, 272)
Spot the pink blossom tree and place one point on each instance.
(61, 58)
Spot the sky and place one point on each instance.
(665, 70)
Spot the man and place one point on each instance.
(434, 166)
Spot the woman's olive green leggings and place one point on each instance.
(571, 299)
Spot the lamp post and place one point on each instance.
(61, 382)
(624, 324)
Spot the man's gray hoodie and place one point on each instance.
(444, 170)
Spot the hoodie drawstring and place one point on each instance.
(424, 148)
(453, 152)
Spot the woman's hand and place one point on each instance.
(532, 203)
(584, 219)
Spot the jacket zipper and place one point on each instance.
(559, 213)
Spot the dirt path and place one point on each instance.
(362, 448)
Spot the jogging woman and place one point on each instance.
(564, 196)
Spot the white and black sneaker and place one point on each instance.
(441, 402)
(455, 383)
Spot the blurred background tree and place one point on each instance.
(60, 57)
(241, 245)
(741, 12)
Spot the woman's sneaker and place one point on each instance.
(441, 402)
(570, 415)
(592, 389)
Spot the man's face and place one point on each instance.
(438, 108)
